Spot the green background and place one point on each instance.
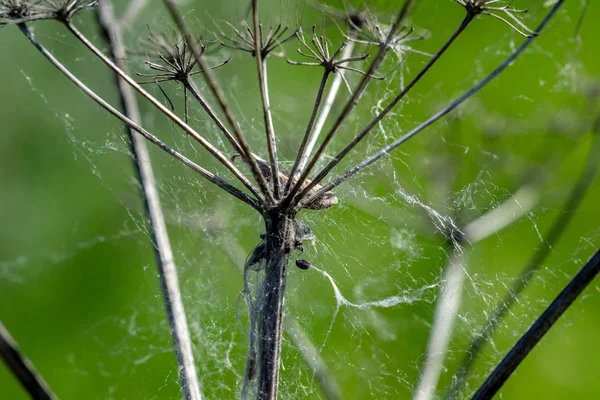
(78, 283)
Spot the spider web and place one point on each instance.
(381, 257)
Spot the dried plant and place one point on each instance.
(274, 193)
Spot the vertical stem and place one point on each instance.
(182, 344)
(271, 307)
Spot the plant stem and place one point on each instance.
(537, 331)
(214, 87)
(463, 25)
(352, 102)
(448, 302)
(304, 151)
(22, 368)
(293, 330)
(172, 116)
(450, 107)
(191, 87)
(151, 138)
(167, 270)
(557, 229)
(270, 306)
(261, 67)
(329, 100)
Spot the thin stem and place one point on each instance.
(293, 330)
(270, 306)
(214, 87)
(261, 67)
(167, 270)
(463, 25)
(153, 139)
(328, 104)
(191, 87)
(448, 302)
(537, 331)
(172, 116)
(352, 102)
(392, 146)
(303, 151)
(22, 368)
(557, 229)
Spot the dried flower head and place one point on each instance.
(174, 61)
(245, 39)
(332, 62)
(21, 11)
(499, 8)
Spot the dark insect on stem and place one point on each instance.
(303, 264)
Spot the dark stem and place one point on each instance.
(172, 116)
(214, 87)
(537, 331)
(167, 270)
(22, 368)
(191, 87)
(557, 229)
(309, 128)
(446, 110)
(261, 67)
(270, 308)
(465, 22)
(352, 102)
(151, 138)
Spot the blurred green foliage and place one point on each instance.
(78, 283)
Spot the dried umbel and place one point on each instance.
(21, 11)
(500, 9)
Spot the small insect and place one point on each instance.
(299, 233)
(303, 264)
(323, 202)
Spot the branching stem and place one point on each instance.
(172, 116)
(446, 110)
(352, 102)
(214, 87)
(465, 22)
(328, 104)
(153, 139)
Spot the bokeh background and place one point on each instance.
(78, 283)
